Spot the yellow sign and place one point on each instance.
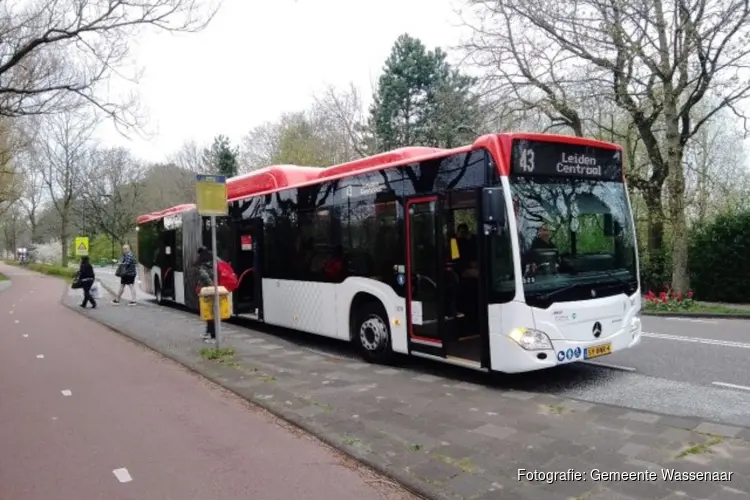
(211, 194)
(455, 255)
(82, 246)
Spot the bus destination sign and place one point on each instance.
(556, 159)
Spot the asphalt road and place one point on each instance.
(690, 367)
(88, 414)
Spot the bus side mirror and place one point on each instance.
(493, 206)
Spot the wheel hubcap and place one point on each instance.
(372, 333)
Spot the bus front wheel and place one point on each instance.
(372, 333)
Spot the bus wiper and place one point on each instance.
(621, 281)
(547, 296)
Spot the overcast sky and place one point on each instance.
(258, 59)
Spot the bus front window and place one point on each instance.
(574, 232)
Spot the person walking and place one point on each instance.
(126, 271)
(204, 270)
(87, 277)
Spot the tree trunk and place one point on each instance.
(680, 278)
(655, 235)
(676, 188)
(64, 238)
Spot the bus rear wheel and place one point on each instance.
(372, 334)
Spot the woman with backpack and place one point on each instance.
(205, 276)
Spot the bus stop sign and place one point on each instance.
(211, 194)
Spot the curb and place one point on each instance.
(296, 421)
(696, 315)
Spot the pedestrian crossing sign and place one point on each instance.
(82, 246)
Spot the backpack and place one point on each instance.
(227, 277)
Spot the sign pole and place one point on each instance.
(211, 201)
(215, 263)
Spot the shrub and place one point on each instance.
(669, 301)
(719, 259)
(49, 269)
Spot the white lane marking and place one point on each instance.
(39, 356)
(67, 392)
(607, 365)
(25, 335)
(122, 475)
(732, 386)
(692, 320)
(697, 340)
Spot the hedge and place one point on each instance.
(719, 259)
(49, 269)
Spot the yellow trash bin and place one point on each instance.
(206, 298)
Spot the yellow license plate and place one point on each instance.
(597, 350)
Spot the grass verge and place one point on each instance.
(48, 269)
(697, 308)
(3, 277)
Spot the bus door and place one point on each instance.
(425, 275)
(247, 266)
(169, 242)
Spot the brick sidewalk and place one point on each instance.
(450, 436)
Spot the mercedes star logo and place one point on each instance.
(597, 329)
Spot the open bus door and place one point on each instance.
(247, 298)
(426, 307)
(167, 264)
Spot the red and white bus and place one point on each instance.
(513, 254)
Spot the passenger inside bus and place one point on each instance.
(468, 273)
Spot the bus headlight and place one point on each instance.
(530, 339)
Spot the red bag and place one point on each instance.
(227, 277)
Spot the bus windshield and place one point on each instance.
(574, 231)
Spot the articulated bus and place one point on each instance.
(513, 254)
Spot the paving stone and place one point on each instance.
(494, 431)
(718, 429)
(456, 436)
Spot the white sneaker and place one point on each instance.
(209, 341)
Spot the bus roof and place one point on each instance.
(401, 155)
(142, 219)
(277, 177)
(269, 179)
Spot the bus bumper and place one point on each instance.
(510, 357)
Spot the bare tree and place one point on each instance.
(33, 190)
(165, 186)
(657, 60)
(190, 157)
(64, 143)
(56, 54)
(340, 116)
(13, 142)
(112, 192)
(261, 145)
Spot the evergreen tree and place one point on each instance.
(421, 100)
(221, 158)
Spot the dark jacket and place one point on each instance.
(86, 272)
(129, 265)
(205, 273)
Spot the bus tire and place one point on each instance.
(158, 293)
(372, 333)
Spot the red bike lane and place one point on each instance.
(89, 414)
